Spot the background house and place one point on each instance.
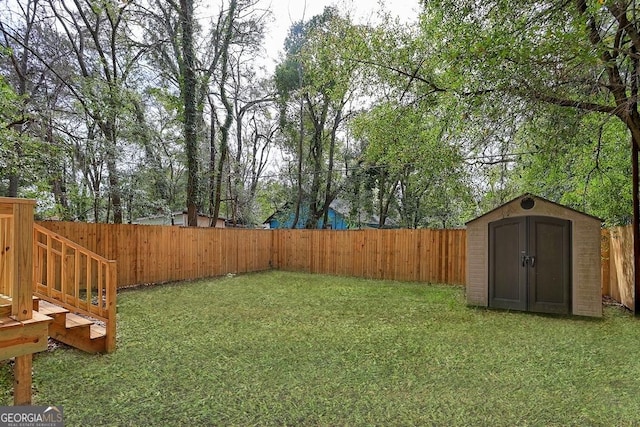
(178, 218)
(283, 218)
(339, 218)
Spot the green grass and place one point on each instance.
(293, 349)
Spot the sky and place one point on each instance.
(288, 11)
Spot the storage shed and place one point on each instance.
(532, 254)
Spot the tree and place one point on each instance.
(255, 132)
(20, 62)
(9, 114)
(413, 164)
(415, 171)
(316, 87)
(579, 159)
(527, 56)
(104, 69)
(577, 54)
(188, 89)
(34, 148)
(216, 49)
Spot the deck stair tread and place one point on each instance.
(75, 321)
(51, 309)
(98, 331)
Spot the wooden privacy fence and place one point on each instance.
(153, 254)
(617, 265)
(411, 255)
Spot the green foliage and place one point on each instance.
(315, 61)
(456, 113)
(581, 160)
(294, 349)
(9, 114)
(22, 153)
(271, 196)
(316, 86)
(407, 144)
(525, 75)
(415, 164)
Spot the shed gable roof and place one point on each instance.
(533, 196)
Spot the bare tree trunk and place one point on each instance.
(212, 166)
(114, 181)
(329, 195)
(636, 227)
(316, 153)
(228, 121)
(296, 216)
(190, 119)
(218, 184)
(160, 184)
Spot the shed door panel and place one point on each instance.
(507, 280)
(549, 276)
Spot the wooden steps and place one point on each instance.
(74, 330)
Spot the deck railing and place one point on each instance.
(75, 278)
(6, 263)
(6, 227)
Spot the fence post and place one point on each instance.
(111, 327)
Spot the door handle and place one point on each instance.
(527, 259)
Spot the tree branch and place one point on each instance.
(563, 102)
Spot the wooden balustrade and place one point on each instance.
(6, 228)
(68, 275)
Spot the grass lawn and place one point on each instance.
(294, 349)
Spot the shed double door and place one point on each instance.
(530, 264)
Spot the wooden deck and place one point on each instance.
(59, 323)
(35, 262)
(21, 337)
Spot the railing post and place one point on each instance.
(22, 247)
(112, 279)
